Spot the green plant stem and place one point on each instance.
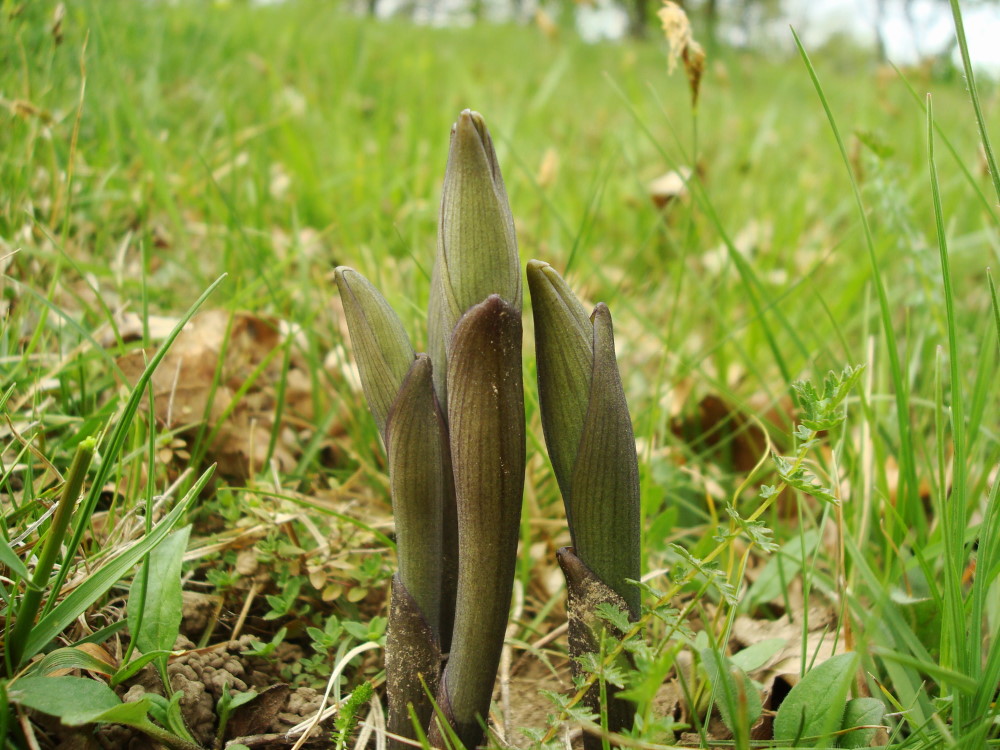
(50, 551)
(167, 738)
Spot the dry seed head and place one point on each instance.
(682, 46)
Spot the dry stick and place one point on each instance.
(543, 641)
(306, 727)
(374, 723)
(27, 729)
(505, 661)
(251, 595)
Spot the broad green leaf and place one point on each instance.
(107, 575)
(133, 713)
(76, 700)
(238, 699)
(757, 655)
(167, 711)
(861, 712)
(159, 606)
(814, 709)
(135, 665)
(732, 687)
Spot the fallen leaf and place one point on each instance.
(224, 370)
(786, 665)
(255, 716)
(721, 427)
(670, 186)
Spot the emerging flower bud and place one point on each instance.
(400, 392)
(381, 346)
(417, 447)
(588, 431)
(417, 444)
(564, 332)
(477, 250)
(486, 424)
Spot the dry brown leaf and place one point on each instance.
(694, 65)
(720, 426)
(130, 328)
(787, 664)
(670, 186)
(216, 356)
(96, 651)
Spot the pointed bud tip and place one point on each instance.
(470, 119)
(539, 271)
(342, 275)
(470, 135)
(421, 363)
(572, 566)
(493, 308)
(601, 312)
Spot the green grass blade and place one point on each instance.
(107, 575)
(12, 561)
(996, 305)
(963, 683)
(116, 442)
(964, 650)
(159, 596)
(991, 160)
(908, 479)
(959, 161)
(987, 574)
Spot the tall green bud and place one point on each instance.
(400, 393)
(588, 432)
(474, 335)
(486, 424)
(381, 346)
(476, 249)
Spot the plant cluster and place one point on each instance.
(453, 425)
